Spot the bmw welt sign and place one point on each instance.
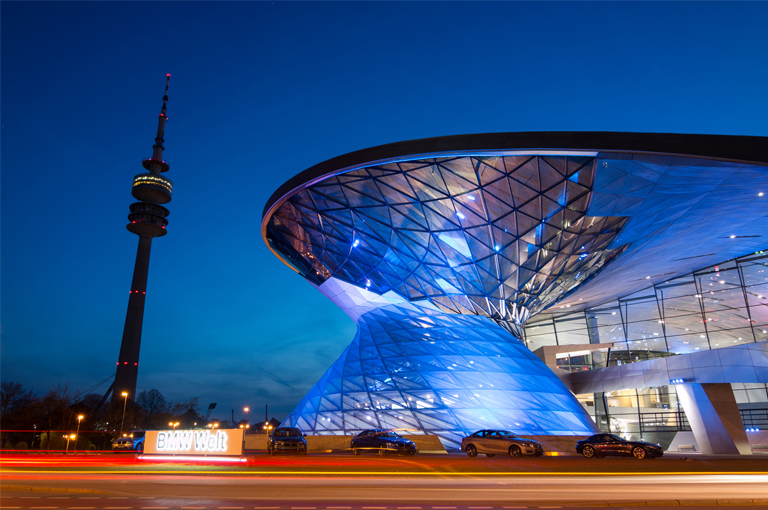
(194, 442)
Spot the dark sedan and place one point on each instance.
(601, 445)
(382, 442)
(286, 439)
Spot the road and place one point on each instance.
(446, 482)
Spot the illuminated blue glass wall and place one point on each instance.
(412, 367)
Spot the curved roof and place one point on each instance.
(506, 224)
(752, 149)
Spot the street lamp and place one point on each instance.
(268, 428)
(124, 394)
(174, 425)
(246, 409)
(79, 419)
(68, 438)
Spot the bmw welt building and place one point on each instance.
(549, 283)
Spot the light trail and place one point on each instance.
(384, 473)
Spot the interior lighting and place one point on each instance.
(497, 247)
(613, 313)
(461, 216)
(733, 237)
(471, 197)
(760, 194)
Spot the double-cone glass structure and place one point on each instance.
(442, 249)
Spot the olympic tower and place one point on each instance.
(147, 220)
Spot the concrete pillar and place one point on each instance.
(592, 331)
(714, 416)
(127, 371)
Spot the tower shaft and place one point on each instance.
(128, 362)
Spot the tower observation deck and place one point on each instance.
(147, 220)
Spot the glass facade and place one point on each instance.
(445, 261)
(718, 306)
(715, 307)
(502, 237)
(412, 367)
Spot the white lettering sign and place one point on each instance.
(201, 442)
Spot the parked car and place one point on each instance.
(601, 445)
(493, 442)
(382, 442)
(132, 441)
(286, 439)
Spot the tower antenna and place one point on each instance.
(157, 154)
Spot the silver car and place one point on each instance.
(492, 442)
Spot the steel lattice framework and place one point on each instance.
(414, 367)
(501, 237)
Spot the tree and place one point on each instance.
(54, 409)
(152, 401)
(153, 405)
(16, 411)
(180, 408)
(13, 402)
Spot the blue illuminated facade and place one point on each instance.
(413, 367)
(442, 254)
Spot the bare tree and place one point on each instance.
(179, 408)
(13, 399)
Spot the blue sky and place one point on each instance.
(260, 91)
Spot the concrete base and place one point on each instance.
(555, 445)
(685, 442)
(559, 446)
(425, 443)
(714, 416)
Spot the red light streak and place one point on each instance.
(192, 459)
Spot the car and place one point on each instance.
(286, 439)
(493, 442)
(133, 441)
(601, 445)
(382, 442)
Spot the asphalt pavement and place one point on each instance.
(345, 482)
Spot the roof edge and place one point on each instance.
(748, 149)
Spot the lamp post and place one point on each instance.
(68, 438)
(125, 403)
(79, 419)
(174, 425)
(246, 409)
